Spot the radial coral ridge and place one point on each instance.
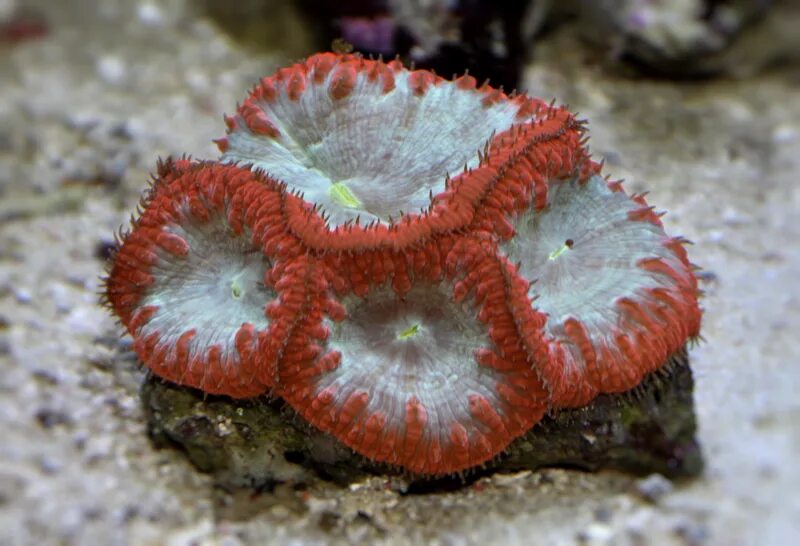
(420, 267)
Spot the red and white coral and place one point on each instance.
(371, 147)
(374, 264)
(190, 282)
(432, 378)
(619, 294)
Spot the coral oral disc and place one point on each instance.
(215, 290)
(598, 266)
(411, 385)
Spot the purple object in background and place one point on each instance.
(448, 36)
(375, 35)
(493, 40)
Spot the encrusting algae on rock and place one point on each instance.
(420, 267)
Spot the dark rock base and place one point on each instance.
(260, 442)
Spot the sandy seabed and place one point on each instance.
(85, 112)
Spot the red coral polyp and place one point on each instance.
(433, 380)
(420, 267)
(192, 279)
(619, 293)
(374, 148)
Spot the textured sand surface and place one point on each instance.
(85, 112)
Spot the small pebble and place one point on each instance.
(784, 134)
(715, 236)
(732, 217)
(653, 487)
(612, 157)
(506, 480)
(198, 533)
(79, 121)
(85, 320)
(197, 81)
(61, 296)
(111, 69)
(280, 512)
(11, 487)
(230, 541)
(595, 533)
(693, 533)
(706, 276)
(604, 514)
(23, 296)
(49, 418)
(149, 14)
(638, 524)
(50, 466)
(99, 447)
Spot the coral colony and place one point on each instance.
(420, 267)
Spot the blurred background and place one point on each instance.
(696, 101)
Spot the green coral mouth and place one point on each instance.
(409, 332)
(342, 195)
(559, 251)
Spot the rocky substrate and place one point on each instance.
(258, 442)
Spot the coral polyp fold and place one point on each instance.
(420, 267)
